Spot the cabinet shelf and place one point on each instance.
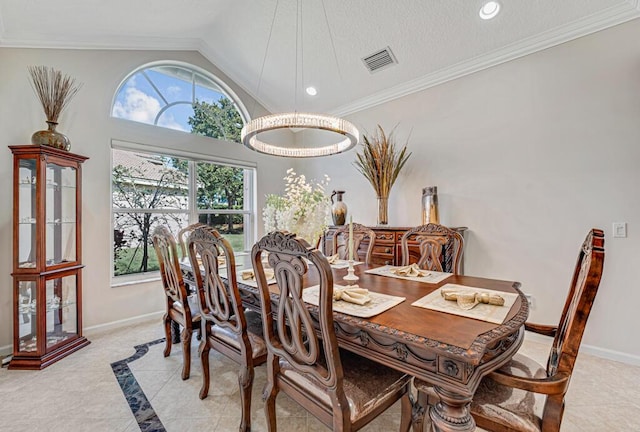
(47, 266)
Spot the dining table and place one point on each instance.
(450, 352)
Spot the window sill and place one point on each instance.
(120, 281)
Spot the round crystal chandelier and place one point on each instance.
(347, 135)
(266, 123)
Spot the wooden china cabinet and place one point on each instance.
(47, 279)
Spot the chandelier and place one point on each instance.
(347, 135)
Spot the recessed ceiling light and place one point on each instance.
(311, 91)
(489, 10)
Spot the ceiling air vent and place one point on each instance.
(379, 60)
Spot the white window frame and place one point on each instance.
(249, 211)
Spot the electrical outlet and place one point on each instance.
(620, 229)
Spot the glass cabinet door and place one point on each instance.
(60, 209)
(27, 178)
(61, 306)
(27, 318)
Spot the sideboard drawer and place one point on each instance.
(383, 249)
(382, 259)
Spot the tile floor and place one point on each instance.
(81, 393)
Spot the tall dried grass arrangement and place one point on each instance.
(381, 162)
(54, 89)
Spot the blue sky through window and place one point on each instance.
(139, 101)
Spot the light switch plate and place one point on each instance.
(620, 229)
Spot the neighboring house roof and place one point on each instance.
(143, 166)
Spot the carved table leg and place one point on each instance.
(452, 413)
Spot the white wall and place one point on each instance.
(90, 128)
(529, 155)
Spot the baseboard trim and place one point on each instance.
(121, 323)
(608, 354)
(595, 351)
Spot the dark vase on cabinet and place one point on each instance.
(47, 264)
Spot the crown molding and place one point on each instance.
(607, 18)
(107, 43)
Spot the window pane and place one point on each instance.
(143, 181)
(137, 100)
(219, 119)
(231, 226)
(173, 83)
(177, 117)
(178, 97)
(219, 187)
(132, 245)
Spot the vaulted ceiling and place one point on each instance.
(254, 42)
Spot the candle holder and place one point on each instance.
(350, 277)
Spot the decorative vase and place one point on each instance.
(51, 137)
(383, 210)
(338, 209)
(430, 205)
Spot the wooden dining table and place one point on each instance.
(450, 352)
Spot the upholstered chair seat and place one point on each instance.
(254, 332)
(194, 307)
(367, 384)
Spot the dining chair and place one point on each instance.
(360, 233)
(180, 307)
(226, 326)
(432, 239)
(523, 396)
(343, 390)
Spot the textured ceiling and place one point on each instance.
(433, 40)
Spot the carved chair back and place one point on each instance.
(360, 233)
(432, 240)
(289, 334)
(221, 301)
(182, 237)
(166, 250)
(582, 293)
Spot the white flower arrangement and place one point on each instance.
(304, 209)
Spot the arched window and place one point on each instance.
(182, 97)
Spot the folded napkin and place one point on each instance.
(333, 259)
(410, 271)
(469, 299)
(250, 275)
(351, 294)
